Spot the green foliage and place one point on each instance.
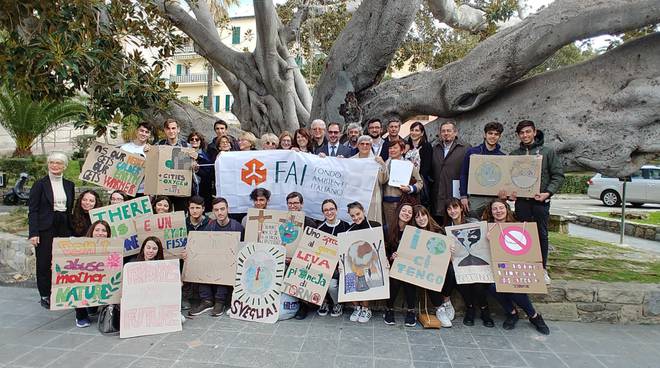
(35, 166)
(82, 143)
(576, 258)
(652, 219)
(54, 52)
(575, 184)
(567, 55)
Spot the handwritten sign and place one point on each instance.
(363, 266)
(489, 174)
(422, 258)
(211, 257)
(86, 272)
(121, 218)
(283, 228)
(169, 227)
(259, 273)
(113, 168)
(516, 253)
(151, 299)
(471, 259)
(313, 263)
(169, 170)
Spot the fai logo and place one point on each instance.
(254, 172)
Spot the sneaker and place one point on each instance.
(486, 319)
(302, 312)
(540, 325)
(183, 319)
(510, 321)
(441, 313)
(546, 277)
(205, 305)
(323, 310)
(365, 315)
(45, 302)
(185, 304)
(468, 319)
(451, 312)
(388, 317)
(93, 311)
(356, 313)
(82, 323)
(411, 318)
(218, 309)
(337, 310)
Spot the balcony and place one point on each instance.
(191, 78)
(187, 49)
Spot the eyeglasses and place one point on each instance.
(273, 143)
(333, 132)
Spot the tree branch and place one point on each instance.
(460, 17)
(362, 53)
(289, 31)
(504, 58)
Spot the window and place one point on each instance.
(178, 69)
(227, 102)
(235, 35)
(216, 108)
(206, 102)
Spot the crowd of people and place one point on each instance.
(428, 202)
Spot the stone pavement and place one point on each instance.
(31, 336)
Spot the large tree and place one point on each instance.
(602, 115)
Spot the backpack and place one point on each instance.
(109, 319)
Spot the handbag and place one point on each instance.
(428, 320)
(109, 319)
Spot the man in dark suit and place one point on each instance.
(332, 147)
(50, 206)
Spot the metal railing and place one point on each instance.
(187, 49)
(190, 78)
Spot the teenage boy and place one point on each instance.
(260, 198)
(537, 209)
(215, 300)
(196, 219)
(221, 130)
(475, 204)
(136, 146)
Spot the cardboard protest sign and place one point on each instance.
(516, 253)
(313, 263)
(86, 272)
(363, 266)
(259, 273)
(113, 168)
(168, 171)
(422, 258)
(121, 218)
(491, 173)
(283, 228)
(400, 173)
(471, 259)
(211, 257)
(169, 227)
(151, 298)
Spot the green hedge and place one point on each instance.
(35, 166)
(575, 184)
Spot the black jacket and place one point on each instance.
(41, 213)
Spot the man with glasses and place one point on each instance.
(374, 130)
(332, 147)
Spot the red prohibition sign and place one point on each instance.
(515, 240)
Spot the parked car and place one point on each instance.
(644, 187)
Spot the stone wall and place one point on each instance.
(650, 232)
(593, 301)
(16, 258)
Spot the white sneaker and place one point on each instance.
(356, 314)
(183, 319)
(365, 315)
(441, 313)
(546, 277)
(449, 309)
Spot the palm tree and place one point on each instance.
(25, 119)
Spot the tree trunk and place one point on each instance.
(210, 78)
(602, 115)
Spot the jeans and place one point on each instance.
(507, 300)
(409, 290)
(206, 292)
(530, 210)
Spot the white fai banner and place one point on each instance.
(343, 179)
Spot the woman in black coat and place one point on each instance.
(50, 206)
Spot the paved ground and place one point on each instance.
(565, 203)
(33, 337)
(608, 237)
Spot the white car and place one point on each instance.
(644, 187)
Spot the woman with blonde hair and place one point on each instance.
(269, 141)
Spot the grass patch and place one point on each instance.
(652, 219)
(72, 172)
(15, 222)
(576, 258)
